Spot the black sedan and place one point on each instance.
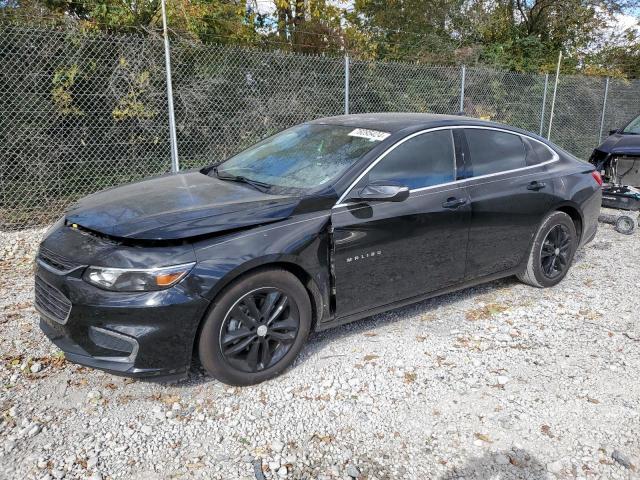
(322, 224)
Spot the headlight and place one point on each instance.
(136, 280)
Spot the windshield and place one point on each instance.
(303, 157)
(633, 127)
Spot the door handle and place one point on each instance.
(454, 203)
(535, 186)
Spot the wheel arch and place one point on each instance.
(576, 215)
(570, 209)
(266, 263)
(284, 262)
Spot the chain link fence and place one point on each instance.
(80, 112)
(226, 98)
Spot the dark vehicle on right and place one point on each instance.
(618, 161)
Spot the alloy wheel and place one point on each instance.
(556, 250)
(259, 329)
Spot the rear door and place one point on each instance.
(510, 192)
(389, 251)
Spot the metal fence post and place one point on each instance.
(544, 102)
(555, 90)
(604, 109)
(175, 165)
(346, 84)
(463, 76)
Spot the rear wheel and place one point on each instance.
(552, 251)
(256, 328)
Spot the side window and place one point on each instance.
(421, 161)
(536, 152)
(493, 151)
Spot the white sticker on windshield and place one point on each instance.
(373, 135)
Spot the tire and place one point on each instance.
(625, 225)
(557, 236)
(232, 342)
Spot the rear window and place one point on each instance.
(493, 151)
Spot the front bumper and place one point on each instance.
(140, 334)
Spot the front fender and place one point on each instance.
(301, 242)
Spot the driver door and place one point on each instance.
(386, 251)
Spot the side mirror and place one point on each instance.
(614, 131)
(380, 192)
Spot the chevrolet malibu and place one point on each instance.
(322, 224)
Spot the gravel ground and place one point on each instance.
(498, 381)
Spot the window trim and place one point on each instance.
(555, 158)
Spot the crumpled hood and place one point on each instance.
(178, 206)
(621, 144)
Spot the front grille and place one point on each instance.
(56, 261)
(51, 301)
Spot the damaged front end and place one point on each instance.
(618, 168)
(621, 175)
(134, 333)
(123, 281)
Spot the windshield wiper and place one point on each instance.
(261, 186)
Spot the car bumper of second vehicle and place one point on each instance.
(137, 334)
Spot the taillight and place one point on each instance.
(597, 177)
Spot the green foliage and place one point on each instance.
(401, 29)
(618, 57)
(520, 35)
(63, 81)
(131, 104)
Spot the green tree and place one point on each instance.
(401, 29)
(526, 35)
(520, 35)
(310, 26)
(619, 56)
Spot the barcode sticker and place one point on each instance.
(373, 135)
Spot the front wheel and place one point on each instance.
(256, 328)
(552, 251)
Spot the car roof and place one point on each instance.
(394, 122)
